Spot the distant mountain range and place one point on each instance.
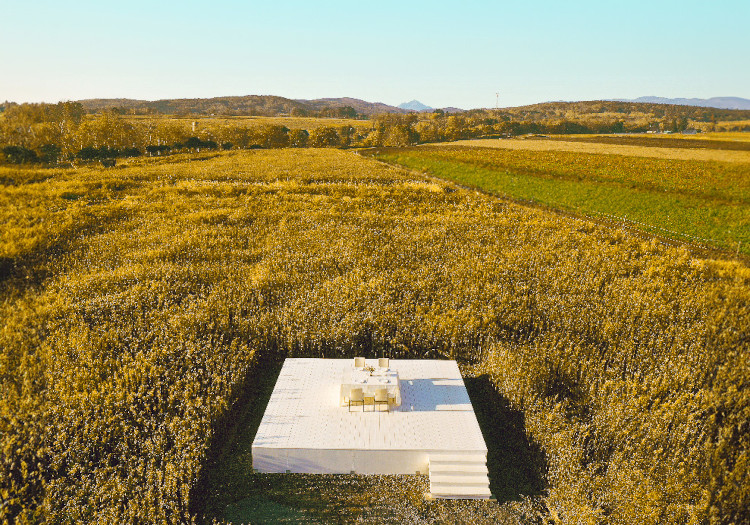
(344, 107)
(261, 105)
(715, 102)
(361, 106)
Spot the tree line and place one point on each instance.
(45, 133)
(61, 133)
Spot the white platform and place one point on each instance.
(305, 430)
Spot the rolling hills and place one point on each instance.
(713, 102)
(261, 105)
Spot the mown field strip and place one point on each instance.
(539, 144)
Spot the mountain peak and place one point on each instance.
(414, 105)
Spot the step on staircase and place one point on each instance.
(459, 475)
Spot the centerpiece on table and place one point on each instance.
(369, 368)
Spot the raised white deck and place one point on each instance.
(305, 430)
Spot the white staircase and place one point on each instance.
(459, 475)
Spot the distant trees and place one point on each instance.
(195, 143)
(394, 130)
(456, 128)
(30, 114)
(162, 149)
(565, 127)
(109, 129)
(430, 130)
(676, 124)
(344, 112)
(88, 153)
(109, 135)
(50, 153)
(273, 136)
(238, 136)
(19, 154)
(32, 125)
(55, 133)
(347, 135)
(105, 152)
(324, 137)
(298, 138)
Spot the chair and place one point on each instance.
(359, 362)
(368, 399)
(384, 362)
(356, 398)
(381, 398)
(391, 401)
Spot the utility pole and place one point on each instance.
(497, 100)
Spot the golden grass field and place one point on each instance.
(143, 307)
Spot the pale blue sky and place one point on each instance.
(442, 53)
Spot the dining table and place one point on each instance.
(370, 382)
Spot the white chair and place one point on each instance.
(384, 362)
(359, 362)
(368, 399)
(381, 398)
(356, 398)
(391, 401)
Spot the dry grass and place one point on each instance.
(134, 322)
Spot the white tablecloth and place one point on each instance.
(358, 378)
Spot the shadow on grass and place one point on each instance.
(228, 470)
(32, 268)
(517, 466)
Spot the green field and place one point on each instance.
(695, 201)
(144, 310)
